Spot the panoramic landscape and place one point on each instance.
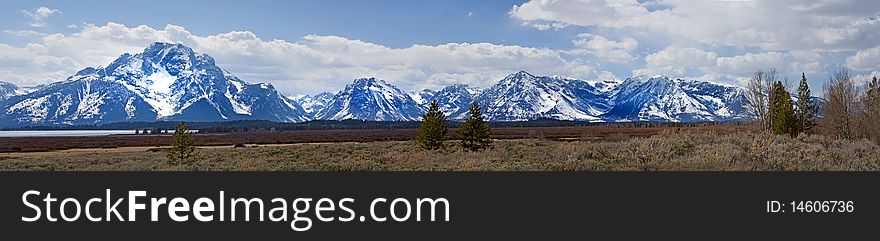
(112, 97)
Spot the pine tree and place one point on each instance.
(784, 120)
(806, 109)
(773, 99)
(434, 128)
(182, 149)
(475, 133)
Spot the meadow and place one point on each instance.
(670, 149)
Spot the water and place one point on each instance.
(64, 133)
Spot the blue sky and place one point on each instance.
(391, 23)
(304, 47)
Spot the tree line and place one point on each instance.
(848, 112)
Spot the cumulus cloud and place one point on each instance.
(778, 25)
(708, 65)
(864, 79)
(312, 64)
(792, 62)
(39, 15)
(605, 49)
(866, 60)
(676, 61)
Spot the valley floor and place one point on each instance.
(668, 150)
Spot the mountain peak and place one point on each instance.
(166, 81)
(455, 87)
(367, 81)
(371, 99)
(518, 77)
(520, 74)
(162, 46)
(174, 56)
(8, 90)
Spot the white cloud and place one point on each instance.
(583, 13)
(676, 61)
(791, 63)
(24, 33)
(681, 56)
(865, 60)
(39, 15)
(864, 79)
(707, 65)
(313, 64)
(771, 25)
(750, 62)
(605, 49)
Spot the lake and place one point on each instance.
(64, 133)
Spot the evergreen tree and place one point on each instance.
(784, 120)
(773, 105)
(475, 133)
(182, 149)
(806, 109)
(434, 128)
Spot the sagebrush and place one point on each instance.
(670, 150)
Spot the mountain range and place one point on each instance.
(171, 82)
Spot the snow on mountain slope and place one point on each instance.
(454, 100)
(371, 99)
(523, 96)
(171, 82)
(605, 86)
(312, 104)
(8, 90)
(164, 82)
(423, 97)
(82, 99)
(662, 99)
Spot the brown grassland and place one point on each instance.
(640, 149)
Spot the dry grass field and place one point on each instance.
(670, 149)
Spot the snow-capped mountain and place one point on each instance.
(371, 99)
(171, 82)
(8, 90)
(423, 97)
(522, 96)
(164, 82)
(606, 86)
(454, 100)
(312, 104)
(663, 99)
